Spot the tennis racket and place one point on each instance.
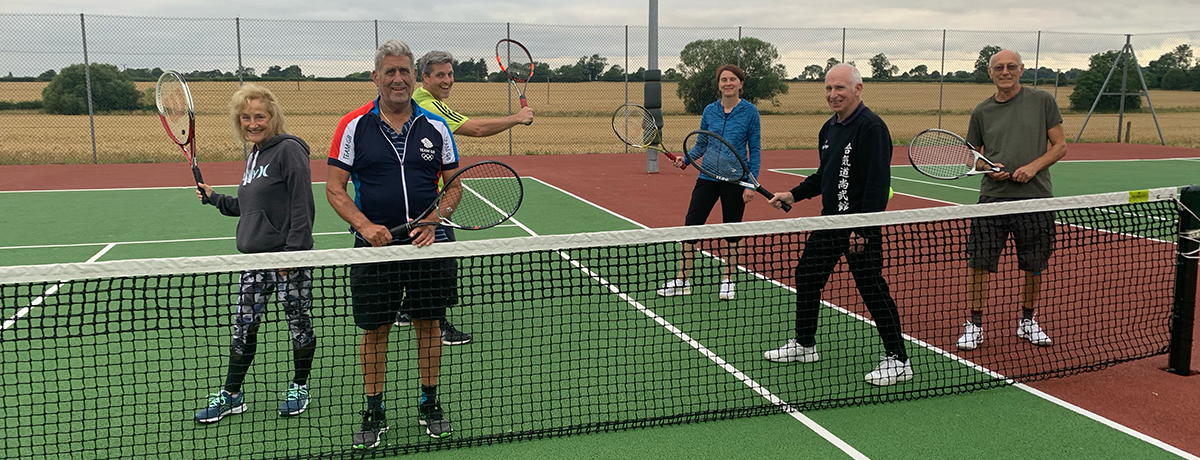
(636, 127)
(516, 62)
(178, 117)
(479, 196)
(717, 158)
(941, 154)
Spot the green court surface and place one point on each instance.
(1002, 423)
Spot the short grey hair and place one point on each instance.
(433, 58)
(392, 47)
(992, 60)
(855, 75)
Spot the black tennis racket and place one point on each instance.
(636, 127)
(178, 116)
(516, 62)
(479, 196)
(717, 158)
(941, 154)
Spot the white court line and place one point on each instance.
(49, 292)
(712, 356)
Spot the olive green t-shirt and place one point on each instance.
(1014, 133)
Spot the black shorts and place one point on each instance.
(705, 196)
(1033, 233)
(423, 289)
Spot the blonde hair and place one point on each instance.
(242, 98)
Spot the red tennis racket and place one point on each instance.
(516, 62)
(178, 116)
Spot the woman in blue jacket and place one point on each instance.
(737, 121)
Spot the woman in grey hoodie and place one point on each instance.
(275, 211)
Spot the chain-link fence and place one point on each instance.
(572, 117)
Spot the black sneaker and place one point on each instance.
(453, 336)
(434, 420)
(403, 319)
(374, 425)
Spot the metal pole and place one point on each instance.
(652, 85)
(241, 70)
(843, 44)
(376, 34)
(1037, 56)
(1124, 77)
(238, 25)
(942, 79)
(87, 78)
(508, 35)
(626, 73)
(1183, 314)
(739, 55)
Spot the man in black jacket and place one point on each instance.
(854, 177)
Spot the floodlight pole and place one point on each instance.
(652, 91)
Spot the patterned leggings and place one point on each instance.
(293, 288)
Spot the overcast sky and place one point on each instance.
(131, 33)
(1109, 16)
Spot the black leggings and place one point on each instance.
(822, 252)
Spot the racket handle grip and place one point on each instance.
(674, 158)
(401, 231)
(786, 207)
(524, 104)
(199, 179)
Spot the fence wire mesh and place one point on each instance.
(320, 70)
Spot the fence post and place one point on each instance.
(942, 79)
(739, 55)
(626, 73)
(843, 44)
(508, 35)
(87, 79)
(376, 34)
(1037, 55)
(1183, 315)
(237, 22)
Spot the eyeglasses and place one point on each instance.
(1000, 67)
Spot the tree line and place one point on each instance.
(113, 88)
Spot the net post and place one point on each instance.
(1183, 315)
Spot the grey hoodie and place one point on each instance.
(274, 202)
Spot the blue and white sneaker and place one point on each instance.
(220, 405)
(295, 400)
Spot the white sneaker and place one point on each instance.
(403, 319)
(890, 371)
(1028, 329)
(674, 288)
(727, 292)
(792, 352)
(971, 338)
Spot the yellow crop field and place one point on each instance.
(571, 118)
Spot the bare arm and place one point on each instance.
(1057, 150)
(335, 192)
(492, 126)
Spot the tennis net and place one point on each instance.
(112, 359)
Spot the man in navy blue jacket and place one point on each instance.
(854, 177)
(395, 152)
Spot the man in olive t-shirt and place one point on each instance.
(1019, 129)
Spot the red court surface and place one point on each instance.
(1139, 394)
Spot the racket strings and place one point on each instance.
(714, 157)
(941, 155)
(635, 126)
(519, 63)
(486, 194)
